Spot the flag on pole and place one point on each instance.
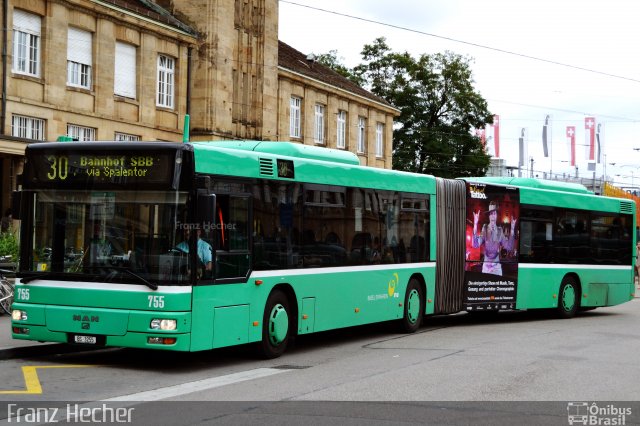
(571, 138)
(496, 134)
(599, 141)
(546, 135)
(590, 137)
(523, 146)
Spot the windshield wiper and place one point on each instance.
(40, 276)
(152, 286)
(25, 280)
(117, 269)
(28, 279)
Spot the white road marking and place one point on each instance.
(198, 385)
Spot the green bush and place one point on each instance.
(9, 245)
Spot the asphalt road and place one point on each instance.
(524, 367)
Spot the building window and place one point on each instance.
(379, 140)
(26, 43)
(125, 70)
(294, 120)
(79, 58)
(81, 133)
(27, 127)
(362, 126)
(318, 134)
(125, 137)
(341, 136)
(166, 73)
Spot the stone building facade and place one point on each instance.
(134, 69)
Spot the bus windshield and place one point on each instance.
(108, 236)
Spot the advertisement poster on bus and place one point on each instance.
(491, 266)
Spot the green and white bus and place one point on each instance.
(203, 245)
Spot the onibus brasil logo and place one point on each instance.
(593, 414)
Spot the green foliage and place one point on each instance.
(439, 109)
(332, 61)
(9, 245)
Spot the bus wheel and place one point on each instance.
(413, 307)
(568, 299)
(275, 325)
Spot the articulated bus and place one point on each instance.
(203, 245)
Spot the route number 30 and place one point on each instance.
(59, 168)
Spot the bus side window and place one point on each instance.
(232, 236)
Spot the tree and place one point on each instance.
(9, 246)
(332, 61)
(439, 109)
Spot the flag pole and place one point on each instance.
(550, 141)
(550, 158)
(546, 143)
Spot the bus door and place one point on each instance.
(229, 233)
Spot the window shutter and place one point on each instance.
(125, 70)
(27, 22)
(79, 46)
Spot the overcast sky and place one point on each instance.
(589, 67)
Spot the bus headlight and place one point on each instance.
(163, 324)
(18, 315)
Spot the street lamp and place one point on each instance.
(604, 172)
(531, 159)
(634, 167)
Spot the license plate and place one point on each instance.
(85, 340)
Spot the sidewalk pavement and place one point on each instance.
(6, 342)
(14, 348)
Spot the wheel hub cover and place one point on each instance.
(568, 298)
(413, 307)
(279, 324)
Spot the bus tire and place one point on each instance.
(276, 325)
(413, 307)
(568, 298)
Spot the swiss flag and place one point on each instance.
(571, 137)
(590, 137)
(496, 134)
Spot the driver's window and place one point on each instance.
(232, 237)
(194, 246)
(175, 264)
(182, 232)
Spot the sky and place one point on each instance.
(569, 59)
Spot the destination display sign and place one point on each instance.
(95, 168)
